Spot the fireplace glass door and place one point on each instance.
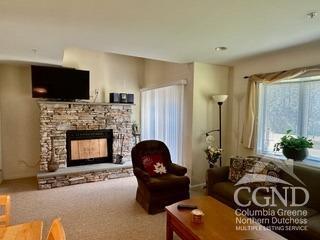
(88, 149)
(89, 146)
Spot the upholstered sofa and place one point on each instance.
(220, 187)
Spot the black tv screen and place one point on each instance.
(59, 83)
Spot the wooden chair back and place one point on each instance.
(56, 231)
(5, 206)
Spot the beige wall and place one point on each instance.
(158, 73)
(20, 114)
(109, 73)
(305, 55)
(208, 80)
(19, 123)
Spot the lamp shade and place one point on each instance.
(220, 98)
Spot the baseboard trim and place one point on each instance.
(197, 185)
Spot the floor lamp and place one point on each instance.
(219, 99)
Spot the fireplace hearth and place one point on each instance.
(89, 147)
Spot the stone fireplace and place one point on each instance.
(75, 134)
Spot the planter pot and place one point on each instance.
(53, 166)
(296, 155)
(213, 161)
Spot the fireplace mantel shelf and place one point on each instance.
(85, 169)
(85, 103)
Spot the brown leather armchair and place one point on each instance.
(156, 192)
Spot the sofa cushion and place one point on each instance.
(226, 190)
(286, 210)
(167, 182)
(313, 229)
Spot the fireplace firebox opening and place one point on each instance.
(89, 147)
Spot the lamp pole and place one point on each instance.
(220, 130)
(219, 99)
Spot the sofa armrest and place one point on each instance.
(176, 169)
(215, 175)
(140, 174)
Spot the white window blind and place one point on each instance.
(161, 117)
(291, 105)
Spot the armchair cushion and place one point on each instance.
(167, 182)
(154, 164)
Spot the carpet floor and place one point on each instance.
(94, 211)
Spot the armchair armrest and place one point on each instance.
(215, 175)
(140, 174)
(176, 169)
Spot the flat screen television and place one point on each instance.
(59, 83)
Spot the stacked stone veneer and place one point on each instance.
(47, 181)
(58, 117)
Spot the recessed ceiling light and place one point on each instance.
(221, 48)
(312, 15)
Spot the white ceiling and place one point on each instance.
(172, 30)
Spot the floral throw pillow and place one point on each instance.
(154, 165)
(251, 168)
(265, 170)
(236, 170)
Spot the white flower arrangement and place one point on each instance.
(213, 153)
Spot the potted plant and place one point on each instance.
(294, 147)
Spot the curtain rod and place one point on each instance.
(314, 67)
(179, 82)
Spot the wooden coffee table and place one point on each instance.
(219, 223)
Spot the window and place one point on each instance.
(161, 118)
(294, 105)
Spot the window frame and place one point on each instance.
(301, 127)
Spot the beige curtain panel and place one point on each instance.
(250, 123)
